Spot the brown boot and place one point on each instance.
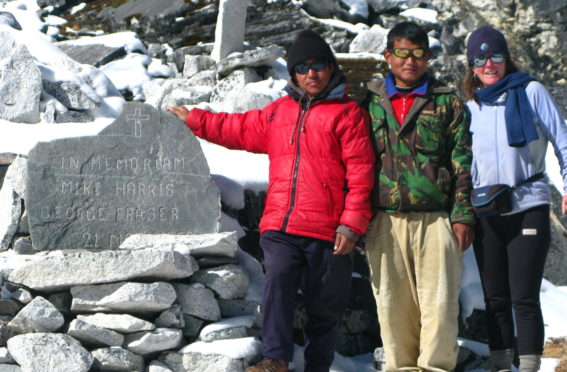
(269, 365)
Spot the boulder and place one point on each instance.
(58, 271)
(123, 323)
(11, 200)
(197, 362)
(20, 82)
(230, 87)
(250, 58)
(198, 301)
(230, 328)
(94, 54)
(94, 336)
(372, 40)
(71, 95)
(171, 318)
(159, 339)
(197, 245)
(116, 358)
(52, 352)
(195, 64)
(37, 316)
(123, 297)
(228, 281)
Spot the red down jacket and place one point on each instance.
(321, 161)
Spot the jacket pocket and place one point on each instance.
(429, 134)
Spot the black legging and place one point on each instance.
(510, 252)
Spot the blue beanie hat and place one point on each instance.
(486, 39)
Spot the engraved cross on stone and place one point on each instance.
(137, 117)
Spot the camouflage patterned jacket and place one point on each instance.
(424, 164)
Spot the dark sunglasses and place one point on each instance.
(481, 61)
(303, 68)
(404, 53)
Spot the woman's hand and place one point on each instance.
(564, 204)
(180, 111)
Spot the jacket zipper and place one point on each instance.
(296, 165)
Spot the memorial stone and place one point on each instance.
(144, 173)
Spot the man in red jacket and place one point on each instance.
(317, 205)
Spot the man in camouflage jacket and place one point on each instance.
(424, 219)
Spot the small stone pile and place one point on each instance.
(155, 303)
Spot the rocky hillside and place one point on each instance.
(536, 29)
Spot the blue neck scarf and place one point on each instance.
(520, 126)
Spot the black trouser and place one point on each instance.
(327, 288)
(510, 252)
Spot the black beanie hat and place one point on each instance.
(486, 39)
(308, 45)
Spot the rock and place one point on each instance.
(195, 64)
(117, 359)
(123, 323)
(214, 261)
(128, 297)
(94, 336)
(159, 339)
(238, 307)
(171, 318)
(372, 40)
(20, 82)
(176, 92)
(198, 245)
(22, 295)
(37, 316)
(229, 281)
(62, 301)
(73, 117)
(192, 327)
(8, 19)
(94, 54)
(58, 271)
(250, 58)
(9, 307)
(70, 95)
(196, 362)
(23, 226)
(250, 98)
(206, 78)
(242, 349)
(23, 245)
(230, 87)
(11, 195)
(227, 329)
(144, 173)
(5, 356)
(198, 301)
(156, 366)
(9, 368)
(52, 352)
(229, 32)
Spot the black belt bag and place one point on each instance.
(495, 200)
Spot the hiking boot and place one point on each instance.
(269, 365)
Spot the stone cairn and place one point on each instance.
(129, 271)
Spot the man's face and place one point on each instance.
(407, 71)
(313, 81)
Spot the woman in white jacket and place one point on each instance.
(513, 118)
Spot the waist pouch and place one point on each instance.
(492, 200)
(495, 200)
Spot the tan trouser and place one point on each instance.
(416, 267)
